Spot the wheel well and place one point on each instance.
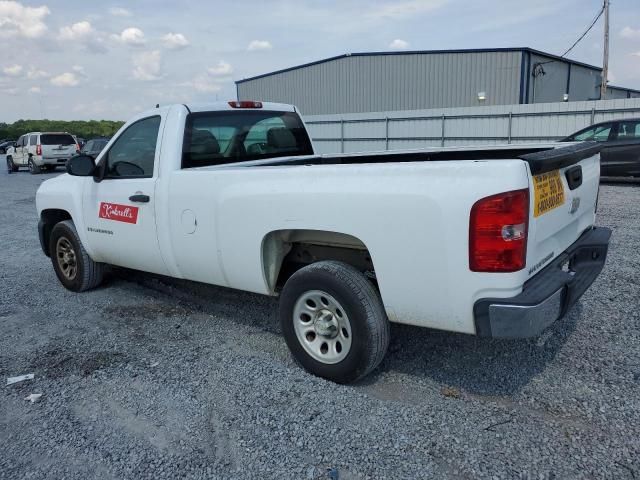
(286, 251)
(48, 219)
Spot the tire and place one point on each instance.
(11, 167)
(65, 248)
(348, 310)
(33, 168)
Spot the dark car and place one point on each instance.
(94, 146)
(5, 145)
(620, 155)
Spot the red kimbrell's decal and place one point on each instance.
(119, 213)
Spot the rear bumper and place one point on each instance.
(53, 161)
(548, 295)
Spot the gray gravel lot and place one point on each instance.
(147, 377)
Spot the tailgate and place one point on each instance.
(57, 145)
(58, 151)
(563, 188)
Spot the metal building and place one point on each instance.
(392, 81)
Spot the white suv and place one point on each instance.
(42, 151)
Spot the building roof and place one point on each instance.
(626, 89)
(425, 52)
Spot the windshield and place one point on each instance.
(214, 138)
(56, 139)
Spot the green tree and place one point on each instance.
(80, 128)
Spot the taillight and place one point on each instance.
(498, 232)
(38, 149)
(77, 148)
(245, 104)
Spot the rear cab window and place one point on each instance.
(217, 138)
(33, 140)
(57, 139)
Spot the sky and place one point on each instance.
(109, 59)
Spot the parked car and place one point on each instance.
(491, 241)
(620, 139)
(5, 145)
(41, 151)
(94, 146)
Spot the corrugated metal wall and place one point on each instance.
(461, 126)
(550, 83)
(367, 83)
(616, 92)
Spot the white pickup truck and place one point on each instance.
(491, 241)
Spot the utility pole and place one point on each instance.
(605, 60)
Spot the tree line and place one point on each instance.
(80, 128)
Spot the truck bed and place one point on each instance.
(541, 158)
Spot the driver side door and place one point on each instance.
(119, 208)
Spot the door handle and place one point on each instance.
(139, 198)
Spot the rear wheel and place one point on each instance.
(72, 264)
(33, 168)
(333, 321)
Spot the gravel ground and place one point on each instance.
(152, 378)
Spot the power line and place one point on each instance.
(593, 22)
(585, 32)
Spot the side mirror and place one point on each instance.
(3, 150)
(81, 166)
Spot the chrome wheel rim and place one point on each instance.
(66, 256)
(322, 326)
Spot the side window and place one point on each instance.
(19, 142)
(599, 133)
(132, 154)
(629, 130)
(88, 146)
(33, 140)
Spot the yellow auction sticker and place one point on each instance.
(549, 192)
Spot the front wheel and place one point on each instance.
(33, 168)
(73, 266)
(333, 321)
